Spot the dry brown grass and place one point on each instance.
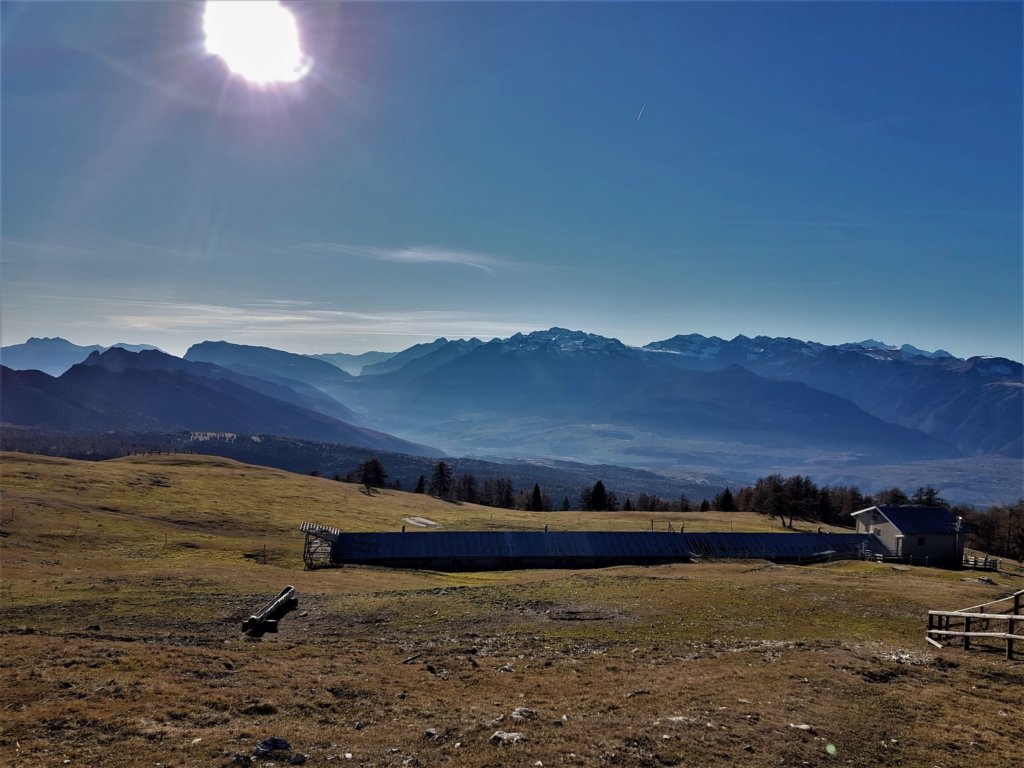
(124, 586)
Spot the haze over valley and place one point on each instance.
(686, 408)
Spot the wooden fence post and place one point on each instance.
(1010, 625)
(1009, 639)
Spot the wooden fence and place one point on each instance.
(984, 563)
(979, 621)
(904, 559)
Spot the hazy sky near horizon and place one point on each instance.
(827, 171)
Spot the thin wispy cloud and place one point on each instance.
(420, 254)
(18, 251)
(91, 250)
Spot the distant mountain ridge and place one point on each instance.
(263, 361)
(406, 356)
(288, 390)
(745, 405)
(588, 398)
(54, 355)
(974, 404)
(150, 390)
(907, 350)
(437, 356)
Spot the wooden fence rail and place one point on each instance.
(976, 622)
(981, 563)
(904, 559)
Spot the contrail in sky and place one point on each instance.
(641, 112)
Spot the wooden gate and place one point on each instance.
(979, 622)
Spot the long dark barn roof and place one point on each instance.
(489, 550)
(783, 546)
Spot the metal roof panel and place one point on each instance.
(561, 548)
(921, 520)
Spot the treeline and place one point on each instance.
(788, 498)
(489, 491)
(443, 484)
(501, 492)
(998, 530)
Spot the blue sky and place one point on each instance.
(828, 171)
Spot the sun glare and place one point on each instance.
(256, 39)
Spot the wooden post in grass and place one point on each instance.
(267, 618)
(1010, 625)
(1009, 638)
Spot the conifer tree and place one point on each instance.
(724, 501)
(598, 497)
(441, 482)
(536, 502)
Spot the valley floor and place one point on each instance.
(125, 584)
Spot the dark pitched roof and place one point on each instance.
(921, 520)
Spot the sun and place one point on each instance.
(256, 39)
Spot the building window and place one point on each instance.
(920, 541)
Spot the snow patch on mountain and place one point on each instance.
(905, 351)
(561, 341)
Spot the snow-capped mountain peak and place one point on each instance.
(562, 341)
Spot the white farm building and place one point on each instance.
(931, 534)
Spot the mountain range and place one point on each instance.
(745, 405)
(584, 397)
(974, 404)
(54, 355)
(151, 391)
